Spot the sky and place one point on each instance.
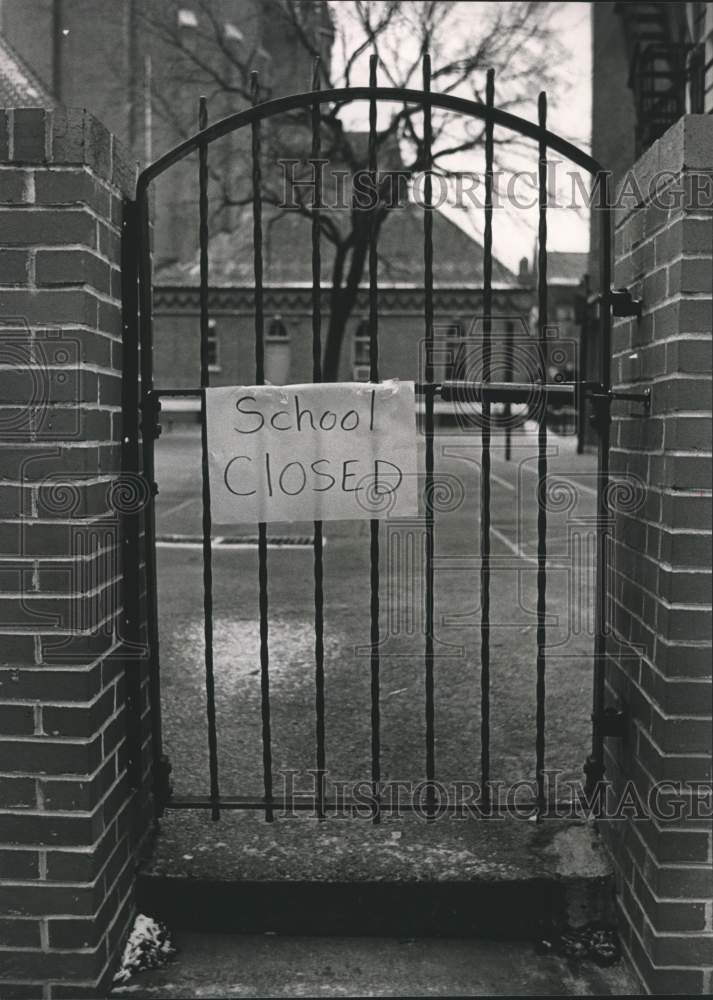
(569, 114)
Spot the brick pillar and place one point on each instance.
(70, 820)
(659, 668)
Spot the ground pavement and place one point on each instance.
(571, 497)
(226, 965)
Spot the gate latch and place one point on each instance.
(602, 399)
(150, 409)
(643, 397)
(622, 303)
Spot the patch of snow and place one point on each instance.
(148, 947)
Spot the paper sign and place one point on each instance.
(326, 452)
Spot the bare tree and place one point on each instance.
(516, 39)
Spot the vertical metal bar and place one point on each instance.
(509, 364)
(262, 527)
(374, 553)
(207, 523)
(428, 327)
(160, 764)
(485, 445)
(317, 377)
(542, 320)
(582, 366)
(130, 466)
(594, 767)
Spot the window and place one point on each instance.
(448, 354)
(277, 329)
(277, 352)
(213, 352)
(362, 353)
(187, 18)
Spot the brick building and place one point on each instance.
(458, 276)
(20, 86)
(141, 66)
(651, 63)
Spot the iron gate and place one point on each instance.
(141, 434)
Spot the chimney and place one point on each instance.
(523, 274)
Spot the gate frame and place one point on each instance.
(141, 433)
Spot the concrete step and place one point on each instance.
(232, 965)
(496, 878)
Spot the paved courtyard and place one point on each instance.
(457, 616)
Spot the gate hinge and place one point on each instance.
(611, 723)
(622, 303)
(163, 789)
(594, 778)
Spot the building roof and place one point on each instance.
(566, 268)
(457, 256)
(20, 87)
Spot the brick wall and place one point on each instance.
(659, 669)
(70, 820)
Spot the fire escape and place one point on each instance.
(665, 67)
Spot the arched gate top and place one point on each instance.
(345, 95)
